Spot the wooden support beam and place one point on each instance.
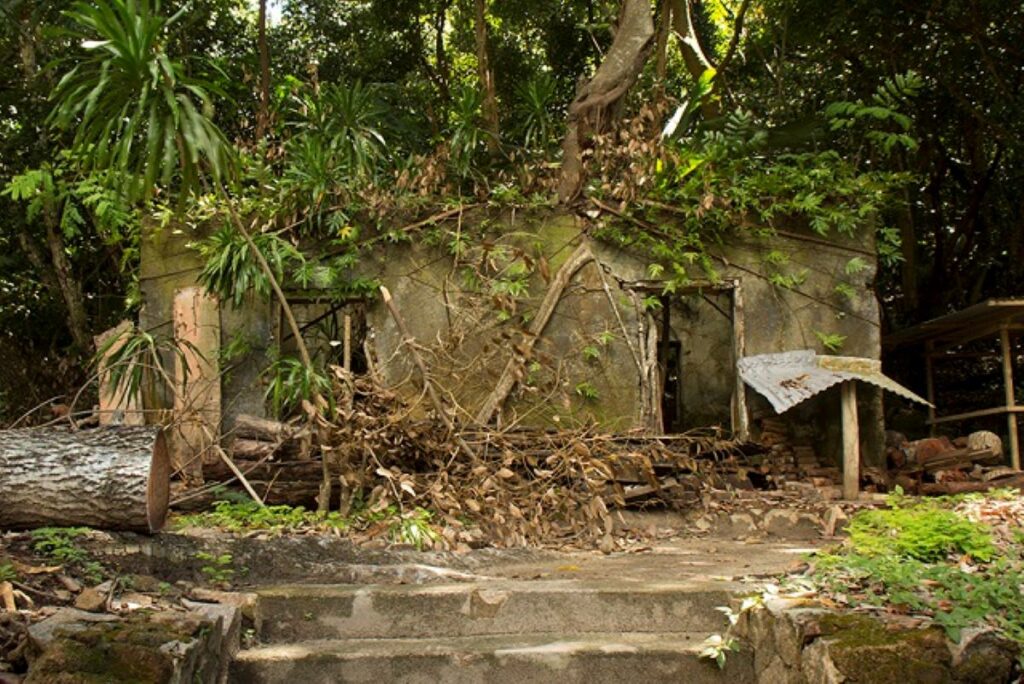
(980, 413)
(851, 441)
(1011, 416)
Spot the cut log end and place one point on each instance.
(158, 484)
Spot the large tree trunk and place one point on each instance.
(591, 111)
(111, 478)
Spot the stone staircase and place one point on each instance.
(493, 631)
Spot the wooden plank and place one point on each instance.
(851, 441)
(117, 406)
(197, 396)
(1011, 401)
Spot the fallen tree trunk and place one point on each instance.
(111, 478)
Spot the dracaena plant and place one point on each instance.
(132, 106)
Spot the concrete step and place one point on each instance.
(302, 612)
(535, 659)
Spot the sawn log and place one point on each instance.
(114, 478)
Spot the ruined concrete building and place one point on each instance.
(586, 329)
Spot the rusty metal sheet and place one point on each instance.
(786, 379)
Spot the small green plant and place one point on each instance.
(717, 647)
(59, 543)
(587, 392)
(927, 558)
(219, 569)
(832, 342)
(846, 291)
(8, 573)
(413, 528)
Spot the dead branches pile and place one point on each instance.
(513, 487)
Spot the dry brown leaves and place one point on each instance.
(523, 487)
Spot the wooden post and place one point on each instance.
(1011, 399)
(740, 422)
(929, 379)
(851, 441)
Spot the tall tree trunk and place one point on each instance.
(595, 102)
(263, 117)
(70, 287)
(486, 77)
(56, 272)
(697, 62)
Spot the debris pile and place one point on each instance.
(939, 465)
(506, 488)
(791, 456)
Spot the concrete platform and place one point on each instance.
(593, 659)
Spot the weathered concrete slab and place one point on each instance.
(300, 612)
(594, 659)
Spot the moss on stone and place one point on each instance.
(122, 652)
(865, 650)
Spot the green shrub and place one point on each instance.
(923, 532)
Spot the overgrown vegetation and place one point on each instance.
(934, 558)
(367, 118)
(413, 527)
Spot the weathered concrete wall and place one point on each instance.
(168, 265)
(467, 343)
(586, 365)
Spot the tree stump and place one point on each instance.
(112, 478)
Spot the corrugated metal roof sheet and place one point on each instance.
(790, 378)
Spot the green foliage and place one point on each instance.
(467, 137)
(717, 648)
(59, 543)
(538, 112)
(233, 272)
(129, 356)
(246, 515)
(925, 557)
(291, 382)
(131, 106)
(587, 391)
(832, 342)
(413, 528)
(922, 531)
(219, 568)
(8, 573)
(887, 126)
